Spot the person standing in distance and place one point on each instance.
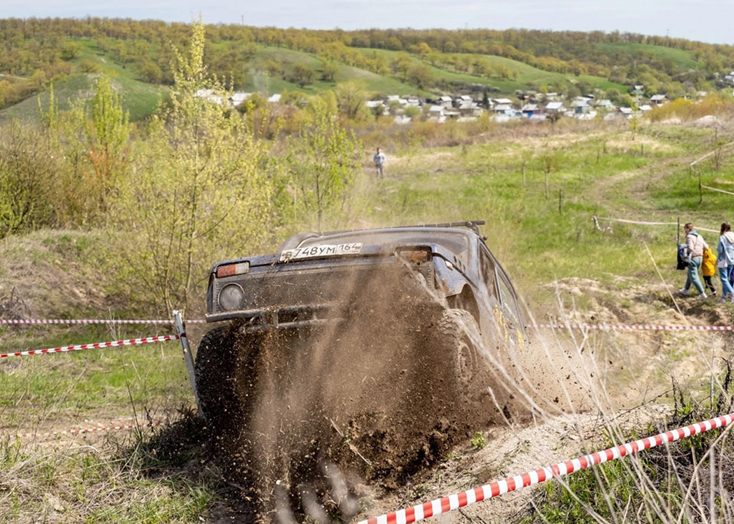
(379, 160)
(695, 244)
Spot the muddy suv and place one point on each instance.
(376, 350)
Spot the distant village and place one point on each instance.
(528, 105)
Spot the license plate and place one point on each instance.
(325, 250)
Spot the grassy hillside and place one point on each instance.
(260, 81)
(138, 98)
(681, 58)
(526, 75)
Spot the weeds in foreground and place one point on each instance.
(142, 477)
(688, 481)
(478, 441)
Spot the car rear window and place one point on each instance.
(455, 242)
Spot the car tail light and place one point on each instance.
(233, 269)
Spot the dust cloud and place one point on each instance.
(379, 395)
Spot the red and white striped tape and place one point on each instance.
(18, 321)
(91, 430)
(637, 327)
(80, 347)
(495, 489)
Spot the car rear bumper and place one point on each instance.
(289, 317)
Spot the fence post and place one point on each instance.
(188, 357)
(523, 175)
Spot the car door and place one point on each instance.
(488, 292)
(512, 318)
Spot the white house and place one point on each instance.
(435, 111)
(503, 109)
(237, 98)
(554, 107)
(446, 101)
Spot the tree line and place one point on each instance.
(36, 51)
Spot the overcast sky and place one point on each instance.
(704, 20)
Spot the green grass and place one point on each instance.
(681, 58)
(601, 173)
(63, 389)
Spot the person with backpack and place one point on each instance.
(708, 270)
(725, 250)
(695, 245)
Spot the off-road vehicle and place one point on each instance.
(374, 349)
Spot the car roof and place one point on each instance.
(456, 239)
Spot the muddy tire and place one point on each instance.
(217, 364)
(461, 329)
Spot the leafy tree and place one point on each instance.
(324, 162)
(420, 75)
(198, 190)
(28, 172)
(329, 71)
(71, 50)
(272, 67)
(150, 72)
(107, 134)
(350, 97)
(303, 75)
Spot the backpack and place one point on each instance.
(684, 257)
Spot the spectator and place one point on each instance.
(708, 269)
(725, 263)
(379, 160)
(695, 245)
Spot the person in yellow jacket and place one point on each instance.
(708, 269)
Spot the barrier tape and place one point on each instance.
(644, 223)
(14, 321)
(80, 347)
(633, 327)
(636, 327)
(91, 430)
(497, 488)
